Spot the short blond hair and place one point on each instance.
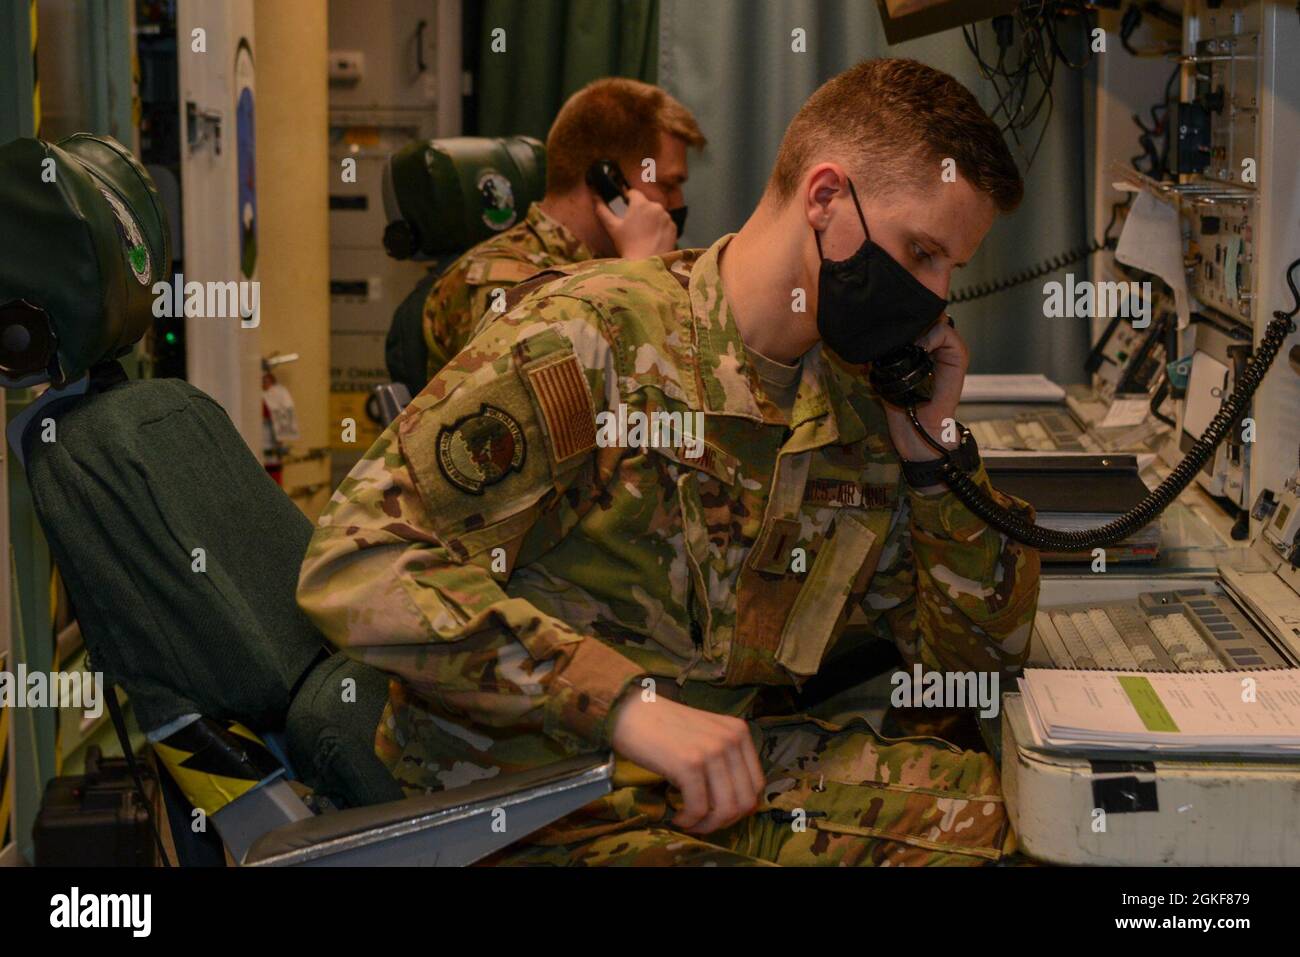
(617, 119)
(890, 120)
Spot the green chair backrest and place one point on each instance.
(444, 196)
(181, 558)
(179, 553)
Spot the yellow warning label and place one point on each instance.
(351, 429)
(36, 78)
(206, 788)
(6, 774)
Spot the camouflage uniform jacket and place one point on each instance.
(520, 576)
(464, 293)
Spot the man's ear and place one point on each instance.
(824, 183)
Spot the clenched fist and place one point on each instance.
(709, 757)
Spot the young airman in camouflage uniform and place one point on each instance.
(617, 119)
(536, 588)
(464, 293)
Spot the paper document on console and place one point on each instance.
(1254, 712)
(1152, 240)
(1126, 412)
(1021, 387)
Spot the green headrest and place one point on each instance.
(444, 196)
(85, 240)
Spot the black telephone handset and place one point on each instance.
(610, 185)
(905, 377)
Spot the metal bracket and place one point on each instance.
(202, 125)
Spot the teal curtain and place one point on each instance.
(731, 62)
(17, 72)
(553, 48)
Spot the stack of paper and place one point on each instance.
(1011, 388)
(1245, 712)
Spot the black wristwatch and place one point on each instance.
(965, 457)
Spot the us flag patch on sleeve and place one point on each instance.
(566, 407)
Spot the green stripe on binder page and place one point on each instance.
(1147, 703)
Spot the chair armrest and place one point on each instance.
(390, 398)
(448, 829)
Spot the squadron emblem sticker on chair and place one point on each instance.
(498, 200)
(137, 251)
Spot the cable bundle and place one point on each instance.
(1031, 32)
(1146, 511)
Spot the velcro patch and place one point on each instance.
(481, 449)
(847, 494)
(772, 552)
(566, 407)
(512, 271)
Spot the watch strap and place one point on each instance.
(966, 457)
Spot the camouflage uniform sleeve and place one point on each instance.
(953, 593)
(449, 315)
(409, 566)
(459, 301)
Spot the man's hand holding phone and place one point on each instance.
(951, 359)
(644, 230)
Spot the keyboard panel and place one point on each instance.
(1037, 431)
(1190, 630)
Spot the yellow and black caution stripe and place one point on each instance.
(36, 78)
(56, 664)
(6, 786)
(215, 762)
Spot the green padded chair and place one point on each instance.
(442, 197)
(181, 555)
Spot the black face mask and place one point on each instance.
(869, 305)
(678, 215)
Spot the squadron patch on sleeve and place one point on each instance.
(481, 449)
